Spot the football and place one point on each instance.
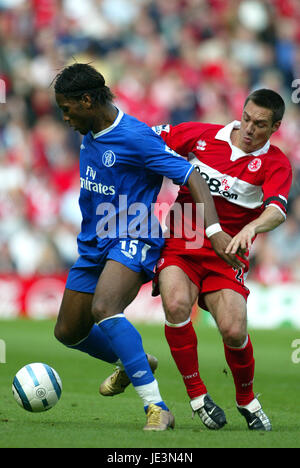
(37, 387)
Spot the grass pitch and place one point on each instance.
(84, 419)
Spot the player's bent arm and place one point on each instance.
(201, 194)
(270, 219)
(219, 240)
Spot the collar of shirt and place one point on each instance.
(225, 133)
(112, 126)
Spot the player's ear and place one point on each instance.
(276, 126)
(86, 100)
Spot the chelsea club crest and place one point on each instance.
(108, 158)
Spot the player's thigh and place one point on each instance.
(229, 310)
(178, 293)
(117, 287)
(75, 319)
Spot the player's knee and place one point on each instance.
(234, 334)
(64, 335)
(101, 310)
(177, 309)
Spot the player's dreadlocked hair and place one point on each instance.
(268, 99)
(80, 78)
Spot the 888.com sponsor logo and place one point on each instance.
(218, 186)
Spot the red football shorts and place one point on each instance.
(206, 270)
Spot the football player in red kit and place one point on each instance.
(249, 179)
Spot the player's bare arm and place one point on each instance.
(219, 241)
(270, 219)
(201, 194)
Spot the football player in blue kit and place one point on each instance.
(122, 165)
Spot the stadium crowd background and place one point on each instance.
(167, 62)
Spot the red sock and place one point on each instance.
(183, 345)
(241, 363)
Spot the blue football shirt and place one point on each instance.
(121, 173)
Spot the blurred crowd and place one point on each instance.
(166, 62)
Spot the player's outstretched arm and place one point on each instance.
(201, 194)
(220, 240)
(270, 218)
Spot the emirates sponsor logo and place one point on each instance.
(94, 186)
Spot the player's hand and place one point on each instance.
(220, 242)
(241, 242)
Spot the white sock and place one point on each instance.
(149, 393)
(177, 325)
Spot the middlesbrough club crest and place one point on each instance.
(254, 165)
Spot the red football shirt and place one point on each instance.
(242, 185)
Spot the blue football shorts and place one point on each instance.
(134, 254)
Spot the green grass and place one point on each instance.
(82, 418)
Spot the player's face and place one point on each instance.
(77, 113)
(256, 127)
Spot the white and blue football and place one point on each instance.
(37, 387)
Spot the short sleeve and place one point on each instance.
(182, 138)
(278, 180)
(162, 160)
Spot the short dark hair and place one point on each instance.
(268, 99)
(78, 79)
